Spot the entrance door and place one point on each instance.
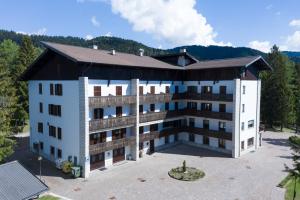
(97, 161)
(118, 154)
(151, 150)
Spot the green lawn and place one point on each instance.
(289, 184)
(48, 197)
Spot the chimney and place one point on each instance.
(182, 50)
(95, 46)
(113, 52)
(141, 51)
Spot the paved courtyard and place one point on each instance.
(253, 176)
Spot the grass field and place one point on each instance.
(48, 197)
(289, 184)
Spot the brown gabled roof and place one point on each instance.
(231, 62)
(81, 54)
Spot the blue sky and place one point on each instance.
(162, 23)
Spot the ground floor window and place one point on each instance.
(59, 153)
(52, 150)
(250, 142)
(222, 143)
(141, 146)
(243, 145)
(167, 140)
(191, 137)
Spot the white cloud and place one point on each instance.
(95, 21)
(177, 22)
(269, 7)
(292, 42)
(159, 46)
(41, 31)
(108, 34)
(263, 46)
(89, 37)
(295, 23)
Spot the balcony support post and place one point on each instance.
(236, 119)
(135, 110)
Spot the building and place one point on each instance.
(96, 107)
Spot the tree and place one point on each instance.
(277, 96)
(295, 171)
(297, 97)
(26, 55)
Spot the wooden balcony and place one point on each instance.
(209, 114)
(98, 124)
(205, 97)
(155, 98)
(103, 101)
(115, 144)
(197, 131)
(149, 136)
(154, 116)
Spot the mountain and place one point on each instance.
(293, 55)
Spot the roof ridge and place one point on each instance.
(218, 59)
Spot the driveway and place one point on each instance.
(253, 176)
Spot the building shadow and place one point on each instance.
(276, 141)
(189, 150)
(30, 161)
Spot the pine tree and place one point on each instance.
(297, 97)
(26, 55)
(277, 96)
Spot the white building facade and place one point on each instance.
(98, 112)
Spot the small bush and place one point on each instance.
(67, 167)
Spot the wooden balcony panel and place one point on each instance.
(99, 124)
(200, 96)
(209, 114)
(154, 116)
(155, 98)
(148, 136)
(104, 101)
(110, 145)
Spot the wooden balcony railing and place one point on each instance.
(115, 144)
(209, 114)
(149, 136)
(153, 98)
(154, 116)
(98, 124)
(103, 101)
(201, 96)
(197, 131)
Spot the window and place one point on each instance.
(141, 90)
(206, 124)
(152, 107)
(52, 131)
(118, 134)
(41, 107)
(192, 105)
(167, 140)
(98, 113)
(58, 153)
(167, 89)
(192, 89)
(223, 90)
(191, 137)
(119, 111)
(207, 89)
(222, 143)
(97, 91)
(152, 89)
(40, 127)
(176, 89)
(206, 106)
(141, 108)
(141, 146)
(58, 89)
(168, 124)
(96, 138)
(141, 130)
(243, 126)
(222, 126)
(51, 89)
(153, 127)
(40, 88)
(250, 142)
(52, 150)
(250, 123)
(167, 106)
(54, 110)
(222, 107)
(243, 145)
(176, 105)
(243, 107)
(206, 140)
(59, 133)
(191, 122)
(41, 146)
(244, 89)
(119, 90)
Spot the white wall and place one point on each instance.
(69, 101)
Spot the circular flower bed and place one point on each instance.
(190, 174)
